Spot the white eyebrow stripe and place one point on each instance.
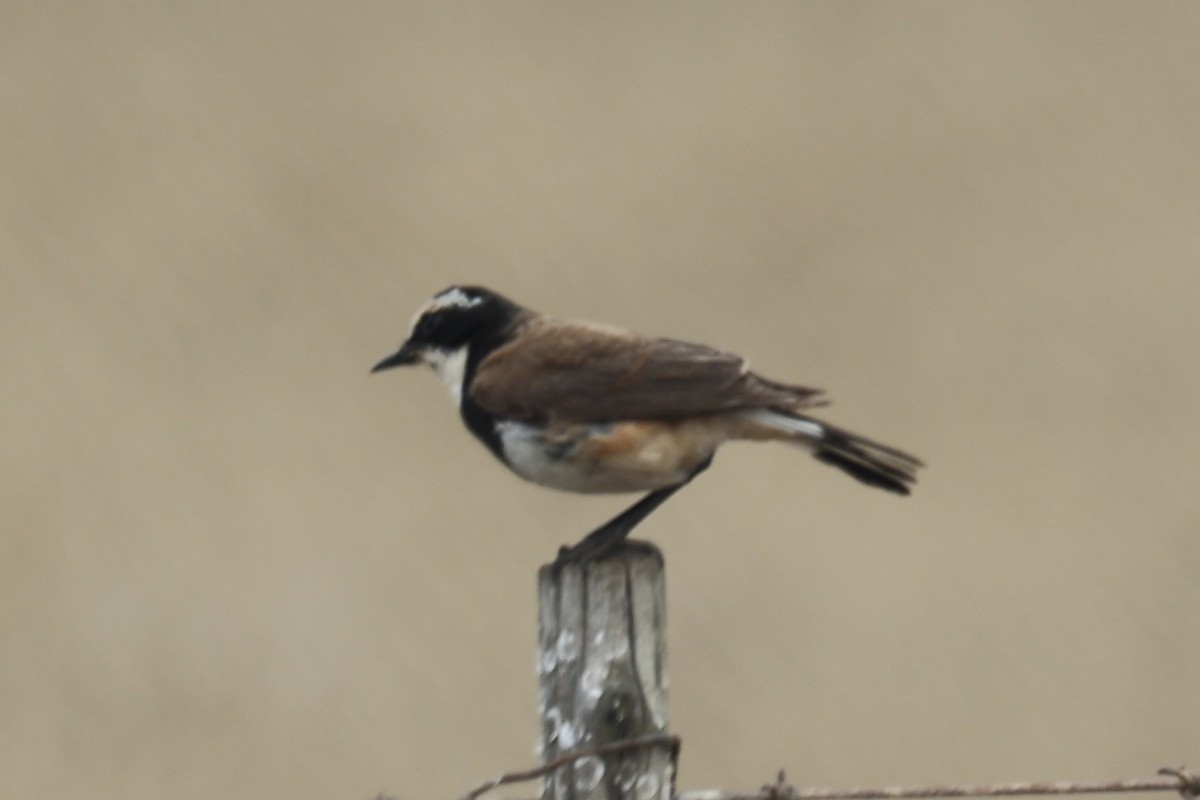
(451, 298)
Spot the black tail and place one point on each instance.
(870, 462)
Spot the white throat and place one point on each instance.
(451, 367)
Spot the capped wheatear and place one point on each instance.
(593, 408)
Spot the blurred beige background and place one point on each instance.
(235, 566)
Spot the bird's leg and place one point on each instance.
(613, 533)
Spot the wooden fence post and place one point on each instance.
(603, 674)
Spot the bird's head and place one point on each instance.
(444, 328)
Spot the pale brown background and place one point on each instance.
(234, 566)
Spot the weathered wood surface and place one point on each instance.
(603, 674)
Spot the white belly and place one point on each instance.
(620, 457)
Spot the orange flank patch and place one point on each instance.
(658, 446)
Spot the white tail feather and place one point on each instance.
(809, 429)
(866, 460)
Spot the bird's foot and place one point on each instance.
(612, 534)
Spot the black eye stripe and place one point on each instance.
(445, 327)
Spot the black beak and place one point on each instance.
(407, 354)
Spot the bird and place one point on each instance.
(593, 408)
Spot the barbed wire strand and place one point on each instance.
(1172, 779)
(1187, 784)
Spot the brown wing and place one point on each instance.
(582, 373)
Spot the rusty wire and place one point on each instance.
(1180, 780)
(1173, 779)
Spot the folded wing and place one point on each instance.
(591, 373)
